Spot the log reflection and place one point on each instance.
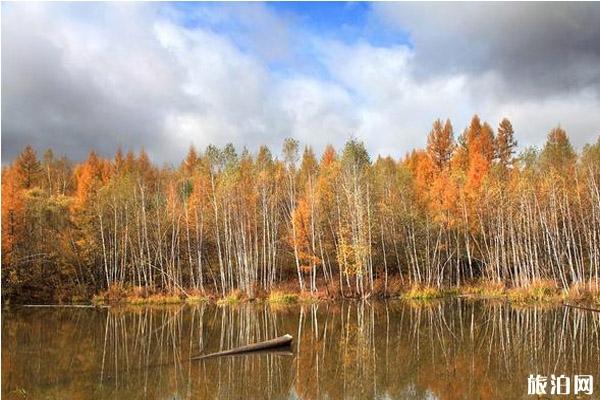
(449, 350)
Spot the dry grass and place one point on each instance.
(540, 291)
(118, 294)
(395, 287)
(196, 296)
(197, 299)
(234, 297)
(287, 293)
(155, 299)
(277, 297)
(582, 293)
(420, 292)
(484, 289)
(308, 298)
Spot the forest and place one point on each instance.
(467, 208)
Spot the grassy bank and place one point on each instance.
(541, 291)
(119, 295)
(139, 296)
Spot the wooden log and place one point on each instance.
(284, 351)
(277, 343)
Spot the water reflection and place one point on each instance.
(448, 350)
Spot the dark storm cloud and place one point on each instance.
(535, 48)
(78, 77)
(61, 91)
(46, 105)
(81, 76)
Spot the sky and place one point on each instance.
(164, 76)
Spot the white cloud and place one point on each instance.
(396, 106)
(316, 112)
(79, 77)
(577, 112)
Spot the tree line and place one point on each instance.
(463, 209)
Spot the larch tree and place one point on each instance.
(13, 216)
(328, 205)
(223, 221)
(440, 143)
(558, 153)
(28, 167)
(505, 143)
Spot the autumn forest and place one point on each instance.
(470, 207)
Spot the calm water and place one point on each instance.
(449, 350)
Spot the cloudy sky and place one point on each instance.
(98, 76)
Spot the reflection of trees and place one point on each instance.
(534, 340)
(154, 347)
(450, 350)
(42, 348)
(143, 352)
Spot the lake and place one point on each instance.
(452, 349)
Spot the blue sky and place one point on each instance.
(344, 21)
(81, 76)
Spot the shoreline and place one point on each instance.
(539, 293)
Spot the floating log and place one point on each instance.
(277, 343)
(285, 351)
